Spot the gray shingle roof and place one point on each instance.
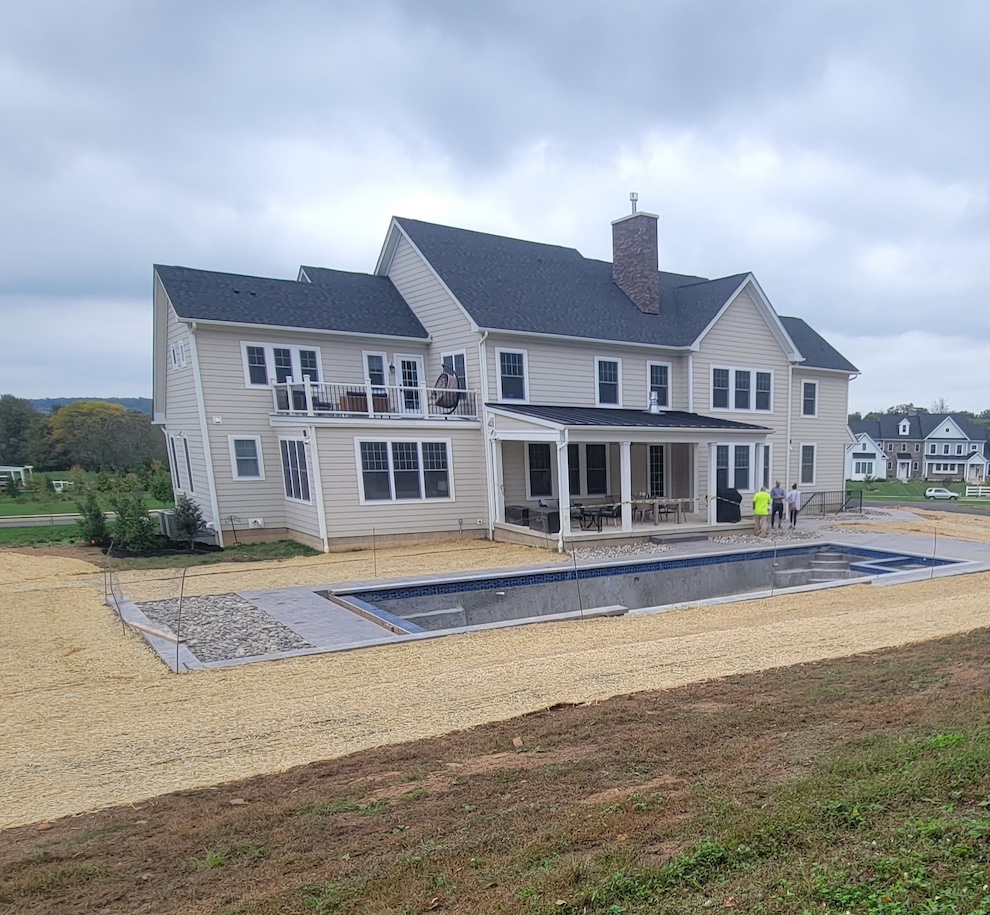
(334, 300)
(510, 284)
(921, 424)
(604, 416)
(818, 353)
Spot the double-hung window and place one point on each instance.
(720, 389)
(265, 362)
(539, 468)
(295, 471)
(807, 463)
(596, 469)
(511, 374)
(740, 466)
(404, 470)
(659, 383)
(742, 389)
(809, 398)
(608, 374)
(454, 363)
(245, 457)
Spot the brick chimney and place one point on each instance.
(635, 258)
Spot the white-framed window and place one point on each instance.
(174, 461)
(608, 381)
(917, 447)
(375, 368)
(295, 469)
(178, 353)
(539, 470)
(945, 449)
(904, 428)
(890, 446)
(587, 470)
(914, 466)
(189, 475)
(959, 449)
(973, 447)
(809, 398)
(246, 462)
(512, 374)
(866, 467)
(267, 363)
(767, 468)
(401, 470)
(933, 448)
(745, 390)
(740, 466)
(455, 363)
(722, 467)
(741, 463)
(658, 382)
(808, 464)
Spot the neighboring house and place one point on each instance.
(937, 447)
(865, 458)
(307, 408)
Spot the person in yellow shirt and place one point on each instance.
(761, 511)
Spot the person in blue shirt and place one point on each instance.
(777, 509)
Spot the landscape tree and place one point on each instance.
(188, 520)
(103, 436)
(941, 405)
(21, 426)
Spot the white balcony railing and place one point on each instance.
(346, 399)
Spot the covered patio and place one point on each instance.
(626, 474)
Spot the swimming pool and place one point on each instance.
(484, 600)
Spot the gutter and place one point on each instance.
(488, 441)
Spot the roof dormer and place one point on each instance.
(904, 428)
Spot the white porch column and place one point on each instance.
(563, 492)
(625, 477)
(712, 485)
(499, 500)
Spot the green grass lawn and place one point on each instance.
(910, 491)
(36, 536)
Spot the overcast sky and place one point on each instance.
(838, 149)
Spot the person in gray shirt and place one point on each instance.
(777, 508)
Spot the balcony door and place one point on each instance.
(410, 379)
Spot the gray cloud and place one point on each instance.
(837, 150)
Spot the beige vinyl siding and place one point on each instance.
(347, 517)
(244, 411)
(448, 326)
(742, 339)
(827, 430)
(182, 418)
(564, 372)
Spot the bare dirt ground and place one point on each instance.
(954, 525)
(92, 718)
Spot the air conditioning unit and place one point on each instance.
(167, 521)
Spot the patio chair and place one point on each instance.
(612, 513)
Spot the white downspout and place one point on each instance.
(788, 479)
(690, 385)
(489, 468)
(321, 508)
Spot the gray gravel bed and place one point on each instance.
(775, 536)
(619, 552)
(223, 627)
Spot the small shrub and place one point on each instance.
(133, 530)
(93, 526)
(12, 487)
(160, 486)
(188, 520)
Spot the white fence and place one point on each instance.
(978, 492)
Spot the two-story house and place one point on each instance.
(308, 407)
(939, 447)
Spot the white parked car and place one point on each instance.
(940, 492)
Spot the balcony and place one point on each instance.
(347, 400)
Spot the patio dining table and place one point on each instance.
(656, 507)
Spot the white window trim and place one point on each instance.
(173, 460)
(670, 378)
(618, 381)
(174, 352)
(386, 366)
(309, 474)
(188, 460)
(456, 352)
(809, 415)
(732, 369)
(814, 464)
(904, 429)
(932, 448)
(554, 489)
(450, 497)
(498, 373)
(583, 464)
(755, 467)
(233, 458)
(768, 463)
(269, 349)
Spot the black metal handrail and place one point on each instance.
(832, 502)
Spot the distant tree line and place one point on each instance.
(91, 434)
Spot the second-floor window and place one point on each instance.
(511, 375)
(660, 382)
(454, 364)
(608, 374)
(742, 389)
(809, 398)
(265, 363)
